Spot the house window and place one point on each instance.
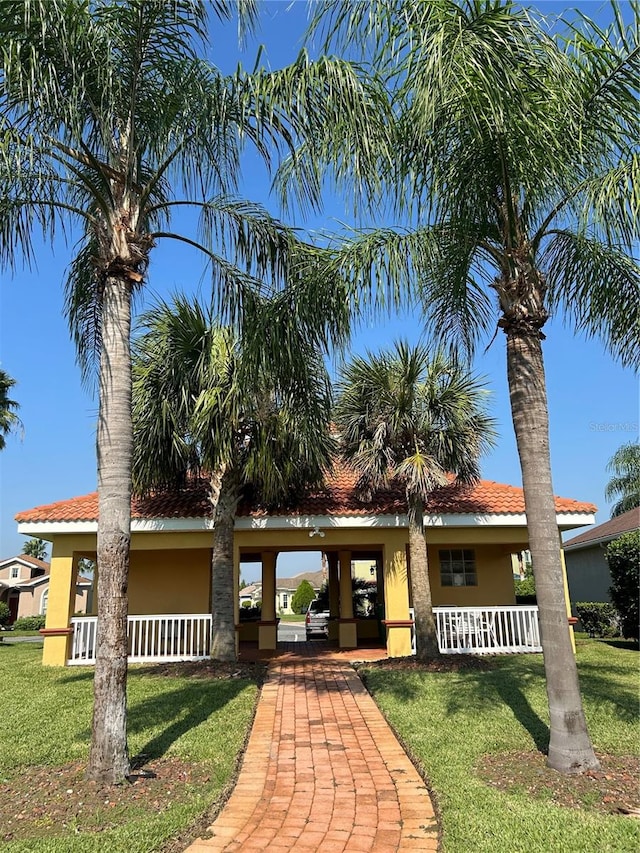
(44, 602)
(458, 567)
(15, 573)
(285, 600)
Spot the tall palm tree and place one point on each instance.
(110, 122)
(9, 420)
(625, 483)
(410, 417)
(517, 174)
(249, 410)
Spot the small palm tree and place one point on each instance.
(625, 483)
(9, 420)
(410, 417)
(249, 410)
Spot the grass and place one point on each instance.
(181, 721)
(292, 617)
(450, 721)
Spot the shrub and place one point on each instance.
(526, 588)
(302, 597)
(598, 618)
(5, 613)
(29, 623)
(623, 556)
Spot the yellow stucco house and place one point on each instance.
(471, 534)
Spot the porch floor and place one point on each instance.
(322, 770)
(312, 650)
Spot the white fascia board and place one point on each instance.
(590, 543)
(567, 521)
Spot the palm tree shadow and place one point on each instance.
(182, 709)
(500, 686)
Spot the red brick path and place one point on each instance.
(322, 772)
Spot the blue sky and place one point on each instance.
(593, 402)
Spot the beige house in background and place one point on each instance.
(24, 587)
(285, 590)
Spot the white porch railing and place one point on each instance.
(487, 630)
(461, 630)
(153, 638)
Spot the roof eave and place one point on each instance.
(49, 529)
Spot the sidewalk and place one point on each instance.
(322, 772)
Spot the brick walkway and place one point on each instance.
(322, 771)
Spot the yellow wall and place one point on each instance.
(493, 574)
(169, 581)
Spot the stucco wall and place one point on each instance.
(493, 573)
(170, 581)
(30, 601)
(588, 575)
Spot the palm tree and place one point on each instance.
(516, 169)
(410, 417)
(110, 122)
(9, 420)
(249, 410)
(625, 483)
(35, 548)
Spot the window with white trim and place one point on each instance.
(15, 573)
(44, 602)
(458, 567)
(285, 600)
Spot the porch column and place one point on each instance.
(567, 599)
(57, 632)
(268, 627)
(334, 593)
(347, 632)
(396, 585)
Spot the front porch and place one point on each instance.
(156, 638)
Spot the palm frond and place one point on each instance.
(598, 287)
(412, 415)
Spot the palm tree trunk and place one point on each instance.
(570, 748)
(108, 756)
(425, 626)
(225, 489)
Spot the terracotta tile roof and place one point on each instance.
(338, 497)
(609, 529)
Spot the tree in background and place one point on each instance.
(412, 417)
(249, 411)
(623, 556)
(35, 548)
(302, 597)
(624, 486)
(515, 165)
(9, 420)
(111, 121)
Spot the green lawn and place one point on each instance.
(450, 720)
(46, 719)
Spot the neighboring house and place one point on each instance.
(24, 586)
(587, 568)
(285, 589)
(471, 534)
